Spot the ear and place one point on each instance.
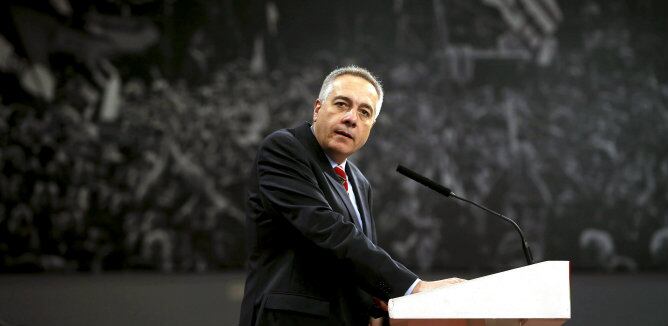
(316, 109)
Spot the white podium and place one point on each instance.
(534, 295)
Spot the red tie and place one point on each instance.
(343, 178)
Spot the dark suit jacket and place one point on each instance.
(309, 263)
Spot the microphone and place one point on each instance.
(448, 193)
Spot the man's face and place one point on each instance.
(342, 122)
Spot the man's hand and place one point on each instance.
(375, 321)
(378, 321)
(424, 286)
(380, 303)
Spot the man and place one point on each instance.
(312, 240)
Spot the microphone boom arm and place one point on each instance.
(525, 245)
(447, 193)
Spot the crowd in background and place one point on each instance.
(134, 160)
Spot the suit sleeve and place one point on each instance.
(287, 185)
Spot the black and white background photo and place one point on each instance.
(128, 129)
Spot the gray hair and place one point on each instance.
(354, 71)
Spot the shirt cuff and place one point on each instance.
(410, 289)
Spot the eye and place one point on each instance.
(340, 104)
(365, 113)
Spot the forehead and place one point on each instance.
(352, 85)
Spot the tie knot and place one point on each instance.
(343, 178)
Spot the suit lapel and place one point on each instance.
(362, 201)
(343, 196)
(306, 137)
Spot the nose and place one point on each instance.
(350, 118)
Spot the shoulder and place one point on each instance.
(282, 146)
(288, 136)
(281, 138)
(280, 135)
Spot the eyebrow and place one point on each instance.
(341, 97)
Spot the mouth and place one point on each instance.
(344, 134)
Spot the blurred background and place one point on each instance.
(128, 128)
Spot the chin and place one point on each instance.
(338, 152)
